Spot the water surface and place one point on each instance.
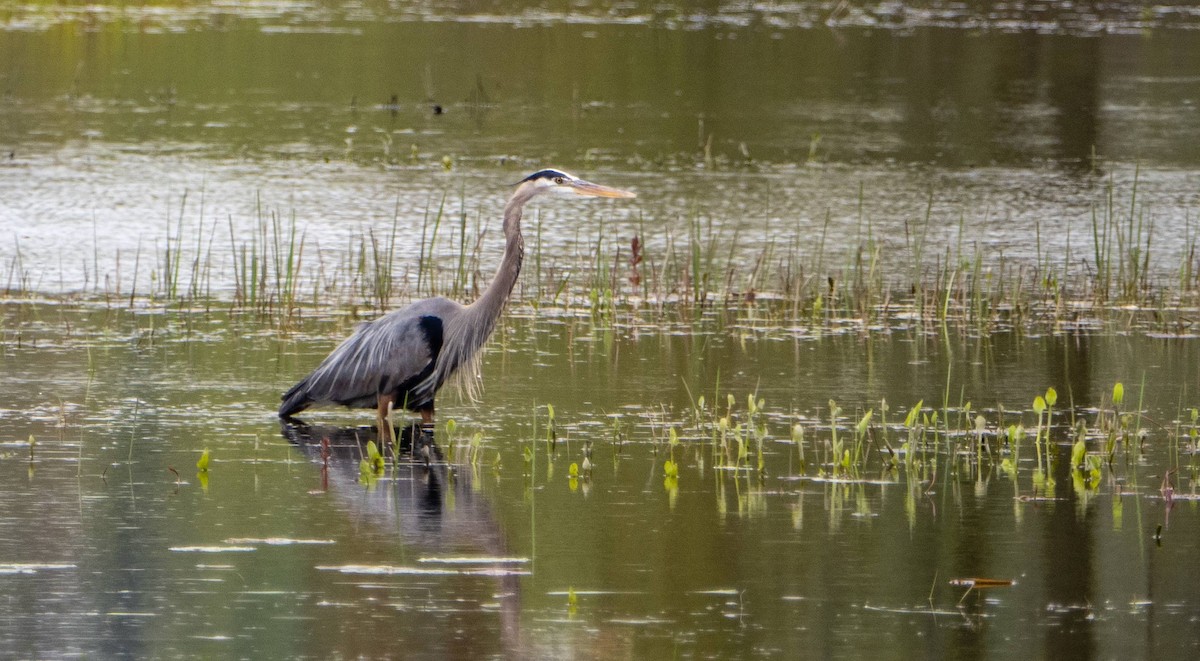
(119, 125)
(109, 551)
(149, 153)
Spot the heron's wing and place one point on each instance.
(394, 353)
(376, 359)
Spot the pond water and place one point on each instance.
(121, 127)
(113, 543)
(150, 153)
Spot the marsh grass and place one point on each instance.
(616, 276)
(266, 269)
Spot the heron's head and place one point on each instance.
(561, 183)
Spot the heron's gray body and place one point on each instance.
(396, 354)
(401, 359)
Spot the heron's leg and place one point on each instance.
(427, 420)
(423, 447)
(386, 404)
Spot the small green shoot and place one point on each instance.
(551, 428)
(1078, 454)
(372, 465)
(671, 482)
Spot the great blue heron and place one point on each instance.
(401, 359)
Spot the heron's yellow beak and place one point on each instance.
(582, 187)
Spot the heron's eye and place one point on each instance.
(560, 181)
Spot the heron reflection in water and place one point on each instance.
(436, 512)
(402, 359)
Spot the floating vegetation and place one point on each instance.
(980, 584)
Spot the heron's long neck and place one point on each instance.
(487, 308)
(471, 330)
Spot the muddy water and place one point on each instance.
(131, 133)
(279, 551)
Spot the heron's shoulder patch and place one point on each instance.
(431, 327)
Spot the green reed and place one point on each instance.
(792, 279)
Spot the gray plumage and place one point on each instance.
(403, 358)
